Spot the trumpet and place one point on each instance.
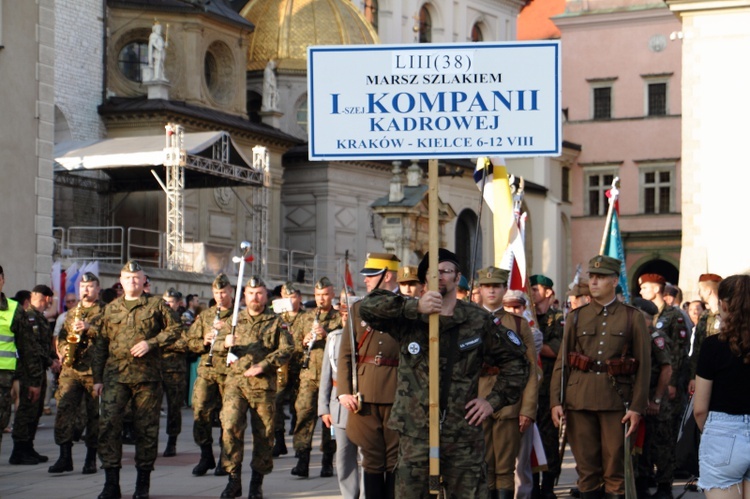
(74, 338)
(215, 333)
(316, 322)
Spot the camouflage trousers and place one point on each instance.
(28, 412)
(238, 398)
(73, 387)
(175, 388)
(146, 399)
(6, 383)
(462, 469)
(286, 395)
(207, 397)
(306, 407)
(658, 448)
(550, 435)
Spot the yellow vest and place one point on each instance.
(7, 339)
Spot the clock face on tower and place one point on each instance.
(657, 43)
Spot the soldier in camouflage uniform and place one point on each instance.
(127, 366)
(313, 326)
(709, 322)
(288, 378)
(174, 375)
(210, 328)
(659, 437)
(671, 321)
(261, 346)
(28, 411)
(19, 351)
(551, 322)
(76, 385)
(469, 337)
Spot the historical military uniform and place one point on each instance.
(259, 341)
(306, 404)
(76, 384)
(125, 324)
(208, 389)
(28, 413)
(468, 339)
(595, 394)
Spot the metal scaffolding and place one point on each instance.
(259, 213)
(174, 163)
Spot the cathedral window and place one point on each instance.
(476, 33)
(302, 113)
(132, 59)
(425, 25)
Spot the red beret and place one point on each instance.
(655, 278)
(709, 277)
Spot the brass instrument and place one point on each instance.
(73, 338)
(316, 322)
(215, 333)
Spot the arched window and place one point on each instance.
(425, 25)
(476, 33)
(253, 104)
(302, 113)
(466, 232)
(132, 59)
(371, 12)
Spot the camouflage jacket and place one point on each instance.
(173, 357)
(202, 326)
(120, 329)
(82, 360)
(552, 325)
(29, 363)
(260, 340)
(708, 325)
(480, 339)
(670, 320)
(287, 322)
(302, 325)
(43, 333)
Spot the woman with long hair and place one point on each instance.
(722, 396)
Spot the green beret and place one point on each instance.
(323, 283)
(492, 275)
(463, 284)
(255, 282)
(221, 282)
(542, 280)
(131, 266)
(89, 277)
(604, 265)
(290, 288)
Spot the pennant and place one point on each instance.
(538, 457)
(614, 248)
(348, 276)
(491, 178)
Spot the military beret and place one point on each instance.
(378, 263)
(323, 283)
(407, 273)
(89, 277)
(492, 275)
(221, 281)
(702, 278)
(514, 298)
(604, 265)
(147, 279)
(172, 293)
(646, 305)
(671, 290)
(543, 280)
(580, 289)
(463, 284)
(443, 256)
(131, 266)
(618, 290)
(255, 282)
(43, 289)
(655, 278)
(290, 288)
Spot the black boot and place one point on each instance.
(171, 449)
(505, 493)
(663, 491)
(89, 465)
(256, 486)
(594, 494)
(536, 492)
(21, 454)
(142, 484)
(207, 461)
(608, 495)
(303, 465)
(33, 452)
(548, 486)
(234, 487)
(641, 488)
(374, 485)
(279, 447)
(65, 461)
(111, 484)
(326, 465)
(390, 485)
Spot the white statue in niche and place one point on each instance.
(270, 90)
(157, 47)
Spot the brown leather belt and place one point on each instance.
(597, 368)
(488, 370)
(379, 360)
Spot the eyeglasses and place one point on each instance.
(446, 271)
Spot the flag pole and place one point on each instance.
(479, 226)
(612, 200)
(434, 344)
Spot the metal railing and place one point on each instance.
(146, 246)
(95, 243)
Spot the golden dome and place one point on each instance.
(285, 28)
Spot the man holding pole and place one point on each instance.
(607, 362)
(468, 337)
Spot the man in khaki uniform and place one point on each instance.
(503, 431)
(579, 295)
(408, 282)
(377, 368)
(607, 360)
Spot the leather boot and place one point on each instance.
(326, 465)
(33, 452)
(111, 484)
(171, 449)
(505, 493)
(608, 495)
(374, 485)
(494, 494)
(535, 489)
(256, 486)
(207, 461)
(65, 461)
(89, 465)
(234, 487)
(663, 491)
(21, 454)
(279, 446)
(142, 484)
(548, 486)
(641, 488)
(303, 465)
(594, 494)
(390, 485)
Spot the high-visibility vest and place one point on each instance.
(7, 338)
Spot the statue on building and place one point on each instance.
(157, 46)
(270, 90)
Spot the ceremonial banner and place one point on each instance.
(615, 249)
(491, 178)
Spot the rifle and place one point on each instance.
(350, 324)
(246, 257)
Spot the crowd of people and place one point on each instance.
(515, 368)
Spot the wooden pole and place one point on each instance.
(434, 344)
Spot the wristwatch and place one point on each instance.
(657, 401)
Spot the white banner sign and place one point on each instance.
(434, 101)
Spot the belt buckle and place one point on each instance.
(378, 358)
